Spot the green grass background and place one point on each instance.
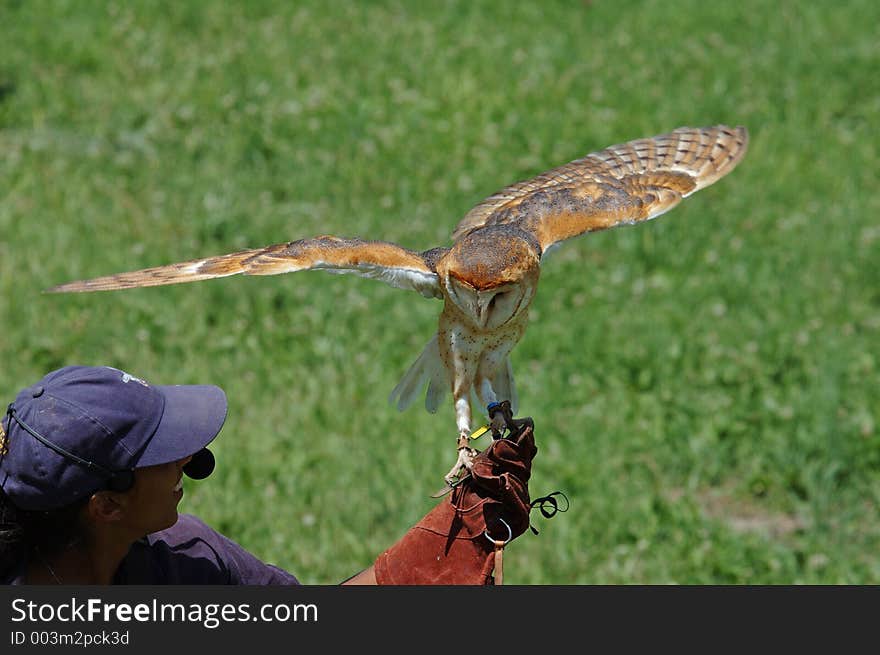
(704, 386)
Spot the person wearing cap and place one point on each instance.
(91, 467)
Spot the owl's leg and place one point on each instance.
(487, 393)
(489, 398)
(460, 357)
(463, 415)
(494, 379)
(466, 454)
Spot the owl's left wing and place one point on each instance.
(620, 185)
(379, 260)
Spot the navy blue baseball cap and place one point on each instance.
(104, 416)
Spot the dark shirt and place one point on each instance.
(191, 553)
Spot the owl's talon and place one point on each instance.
(463, 463)
(500, 417)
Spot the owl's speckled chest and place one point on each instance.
(463, 344)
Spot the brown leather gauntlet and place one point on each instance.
(450, 546)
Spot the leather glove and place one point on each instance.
(449, 546)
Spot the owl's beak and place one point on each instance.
(481, 314)
(482, 308)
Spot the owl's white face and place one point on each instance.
(490, 308)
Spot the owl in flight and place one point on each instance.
(489, 276)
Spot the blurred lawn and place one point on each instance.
(705, 386)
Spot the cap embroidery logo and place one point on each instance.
(128, 377)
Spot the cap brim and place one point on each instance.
(192, 417)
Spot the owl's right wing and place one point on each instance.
(379, 260)
(620, 185)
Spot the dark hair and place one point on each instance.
(24, 532)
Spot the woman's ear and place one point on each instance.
(106, 506)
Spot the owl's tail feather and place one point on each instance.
(438, 385)
(427, 368)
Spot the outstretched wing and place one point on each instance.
(380, 260)
(623, 184)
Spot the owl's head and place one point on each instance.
(492, 274)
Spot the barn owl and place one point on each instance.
(489, 275)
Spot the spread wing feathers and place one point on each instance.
(378, 260)
(623, 184)
(427, 368)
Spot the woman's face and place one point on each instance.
(151, 504)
